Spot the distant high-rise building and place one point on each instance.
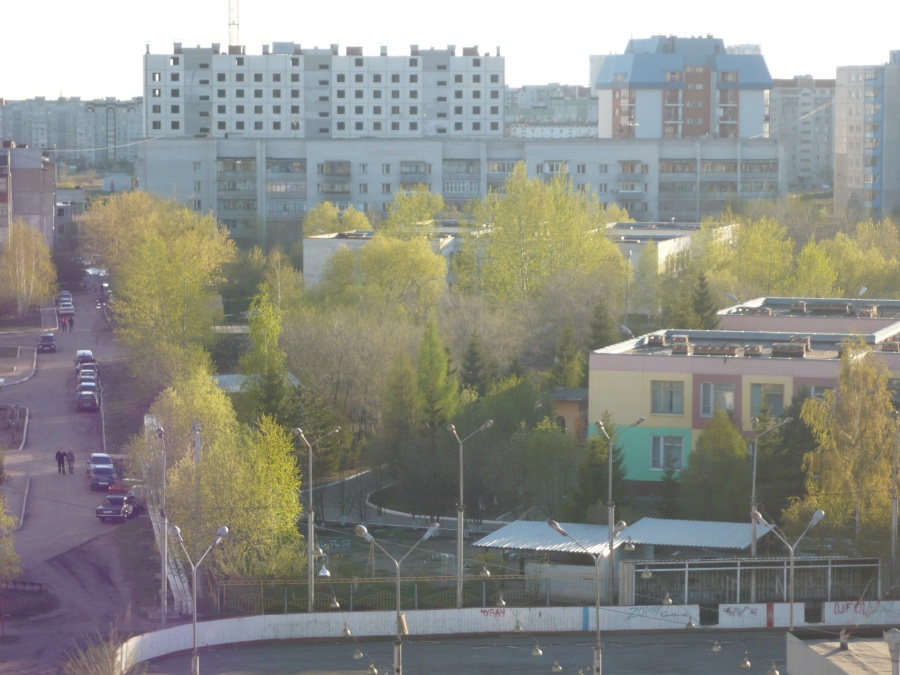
(801, 114)
(867, 138)
(671, 87)
(27, 190)
(95, 133)
(293, 92)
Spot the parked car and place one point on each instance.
(103, 476)
(89, 388)
(116, 507)
(88, 367)
(89, 377)
(98, 459)
(83, 356)
(87, 401)
(47, 343)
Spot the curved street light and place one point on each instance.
(816, 517)
(311, 520)
(461, 509)
(221, 533)
(401, 620)
(598, 648)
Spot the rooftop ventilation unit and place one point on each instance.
(659, 340)
(804, 340)
(683, 348)
(794, 350)
(890, 346)
(715, 350)
(799, 307)
(752, 350)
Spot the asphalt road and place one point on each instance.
(61, 543)
(660, 653)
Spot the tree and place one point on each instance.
(284, 280)
(412, 213)
(814, 276)
(437, 388)
(265, 363)
(846, 474)
(604, 331)
(476, 372)
(589, 494)
(569, 365)
(248, 480)
(27, 274)
(764, 257)
(323, 218)
(351, 219)
(715, 485)
(667, 506)
(705, 309)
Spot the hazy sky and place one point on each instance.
(93, 48)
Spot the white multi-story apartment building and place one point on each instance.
(867, 138)
(98, 132)
(801, 114)
(290, 91)
(672, 87)
(27, 190)
(261, 188)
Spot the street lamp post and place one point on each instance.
(164, 572)
(461, 510)
(611, 504)
(896, 417)
(220, 535)
(311, 521)
(401, 620)
(598, 649)
(816, 517)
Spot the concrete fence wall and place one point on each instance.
(479, 621)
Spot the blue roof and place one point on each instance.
(753, 73)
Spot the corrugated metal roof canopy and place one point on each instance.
(529, 535)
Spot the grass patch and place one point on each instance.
(9, 352)
(138, 554)
(125, 402)
(32, 319)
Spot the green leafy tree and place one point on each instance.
(412, 213)
(323, 218)
(763, 257)
(247, 480)
(668, 504)
(351, 219)
(705, 308)
(715, 485)
(814, 276)
(847, 473)
(27, 274)
(285, 282)
(569, 365)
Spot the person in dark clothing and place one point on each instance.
(60, 461)
(71, 323)
(70, 457)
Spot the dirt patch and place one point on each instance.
(124, 403)
(93, 591)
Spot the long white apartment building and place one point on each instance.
(294, 92)
(261, 188)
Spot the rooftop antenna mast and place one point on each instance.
(234, 20)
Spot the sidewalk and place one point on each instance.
(14, 371)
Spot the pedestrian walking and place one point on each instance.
(63, 323)
(60, 461)
(70, 456)
(71, 323)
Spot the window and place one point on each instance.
(341, 77)
(276, 126)
(667, 451)
(457, 78)
(239, 126)
(257, 77)
(257, 93)
(358, 77)
(495, 126)
(176, 109)
(341, 93)
(176, 125)
(257, 110)
(363, 168)
(815, 391)
(157, 109)
(276, 93)
(395, 93)
(295, 110)
(276, 109)
(220, 93)
(156, 77)
(220, 109)
(476, 78)
(385, 168)
(413, 79)
(395, 78)
(295, 77)
(341, 126)
(239, 77)
(580, 168)
(295, 93)
(157, 124)
(667, 397)
(358, 93)
(376, 126)
(376, 93)
(476, 109)
(395, 110)
(357, 110)
(239, 109)
(363, 188)
(457, 126)
(458, 93)
(376, 77)
(358, 126)
(457, 110)
(220, 77)
(258, 126)
(239, 93)
(495, 79)
(770, 395)
(476, 126)
(494, 93)
(714, 394)
(413, 110)
(157, 93)
(413, 126)
(385, 188)
(395, 126)
(220, 125)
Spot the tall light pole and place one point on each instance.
(164, 572)
(598, 648)
(401, 620)
(611, 505)
(816, 517)
(220, 535)
(311, 520)
(896, 417)
(461, 510)
(753, 505)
